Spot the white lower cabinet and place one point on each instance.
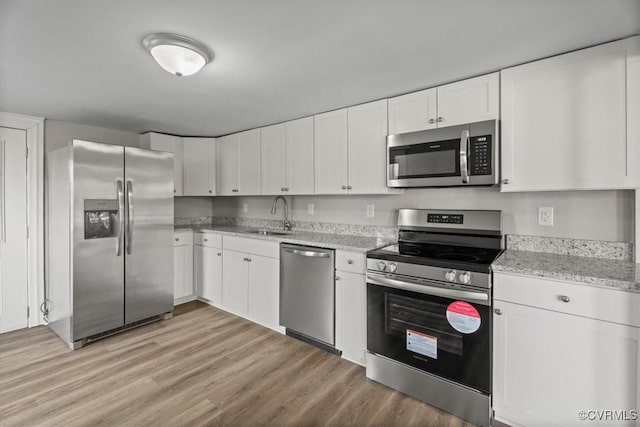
(351, 306)
(548, 365)
(207, 269)
(251, 279)
(183, 266)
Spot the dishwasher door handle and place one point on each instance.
(307, 253)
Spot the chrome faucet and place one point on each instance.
(286, 225)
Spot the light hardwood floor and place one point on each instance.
(203, 367)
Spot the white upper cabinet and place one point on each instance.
(367, 135)
(287, 157)
(249, 162)
(466, 101)
(331, 153)
(199, 166)
(238, 160)
(571, 122)
(273, 159)
(413, 111)
(299, 155)
(169, 144)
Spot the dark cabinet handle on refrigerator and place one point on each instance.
(464, 149)
(129, 233)
(120, 230)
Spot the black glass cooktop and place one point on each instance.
(438, 255)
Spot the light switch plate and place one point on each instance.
(545, 215)
(370, 211)
(310, 208)
(245, 207)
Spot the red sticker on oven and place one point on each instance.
(463, 317)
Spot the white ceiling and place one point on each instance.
(82, 61)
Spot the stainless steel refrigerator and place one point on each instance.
(109, 239)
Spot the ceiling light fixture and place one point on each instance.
(179, 55)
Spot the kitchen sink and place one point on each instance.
(268, 232)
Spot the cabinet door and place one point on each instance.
(564, 121)
(299, 154)
(197, 157)
(227, 162)
(331, 152)
(548, 366)
(235, 277)
(413, 111)
(208, 272)
(273, 159)
(182, 271)
(468, 101)
(264, 289)
(249, 162)
(350, 315)
(367, 125)
(170, 144)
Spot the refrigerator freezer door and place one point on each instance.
(98, 271)
(148, 234)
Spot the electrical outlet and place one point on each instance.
(245, 207)
(545, 215)
(370, 211)
(310, 208)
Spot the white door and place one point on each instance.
(249, 162)
(413, 111)
(208, 272)
(299, 153)
(350, 315)
(227, 149)
(273, 159)
(331, 155)
(13, 230)
(264, 289)
(196, 166)
(468, 101)
(235, 277)
(367, 148)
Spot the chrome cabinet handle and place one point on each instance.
(286, 188)
(505, 181)
(349, 261)
(564, 298)
(464, 149)
(344, 187)
(219, 254)
(349, 187)
(281, 188)
(338, 278)
(129, 233)
(498, 311)
(120, 230)
(210, 191)
(206, 240)
(177, 239)
(431, 121)
(440, 119)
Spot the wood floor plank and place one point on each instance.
(204, 367)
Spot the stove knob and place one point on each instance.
(465, 278)
(450, 275)
(382, 265)
(393, 267)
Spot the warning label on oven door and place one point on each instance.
(424, 344)
(463, 317)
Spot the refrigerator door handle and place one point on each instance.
(129, 233)
(120, 218)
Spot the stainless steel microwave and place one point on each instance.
(445, 157)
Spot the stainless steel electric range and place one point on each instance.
(429, 309)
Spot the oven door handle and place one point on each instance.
(421, 288)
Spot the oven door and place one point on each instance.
(439, 330)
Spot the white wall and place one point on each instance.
(598, 215)
(192, 206)
(59, 134)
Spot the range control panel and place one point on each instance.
(480, 155)
(445, 218)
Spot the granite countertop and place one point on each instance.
(326, 240)
(605, 273)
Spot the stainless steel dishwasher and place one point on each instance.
(307, 294)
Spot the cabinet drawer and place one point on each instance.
(597, 303)
(353, 262)
(182, 238)
(211, 240)
(251, 246)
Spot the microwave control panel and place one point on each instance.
(480, 155)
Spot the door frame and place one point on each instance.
(34, 127)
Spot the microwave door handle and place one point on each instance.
(464, 150)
